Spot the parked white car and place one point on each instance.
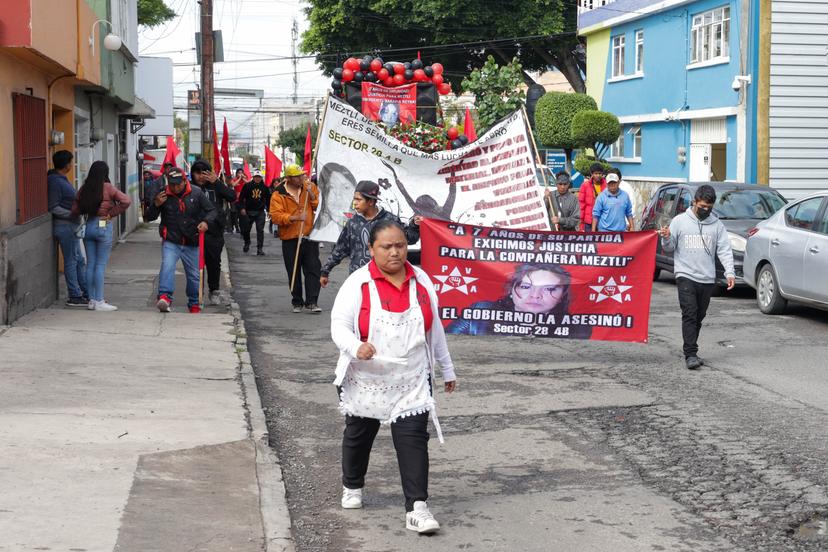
(786, 258)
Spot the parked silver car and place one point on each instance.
(786, 258)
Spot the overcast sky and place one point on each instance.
(251, 29)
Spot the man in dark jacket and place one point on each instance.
(61, 197)
(185, 213)
(218, 193)
(353, 240)
(254, 200)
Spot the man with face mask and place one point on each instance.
(697, 237)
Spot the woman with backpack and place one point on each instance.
(98, 203)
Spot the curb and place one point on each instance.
(272, 493)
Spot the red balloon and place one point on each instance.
(347, 75)
(437, 80)
(419, 75)
(437, 68)
(382, 74)
(399, 69)
(443, 89)
(352, 64)
(376, 65)
(452, 133)
(388, 82)
(398, 79)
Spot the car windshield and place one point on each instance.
(747, 204)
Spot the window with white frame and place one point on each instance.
(639, 51)
(617, 148)
(618, 56)
(636, 136)
(709, 35)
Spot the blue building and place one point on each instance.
(679, 76)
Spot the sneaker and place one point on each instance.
(77, 302)
(351, 498)
(297, 309)
(246, 247)
(420, 519)
(194, 309)
(104, 306)
(215, 297)
(260, 252)
(91, 305)
(313, 308)
(164, 303)
(693, 363)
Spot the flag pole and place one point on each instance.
(201, 266)
(552, 208)
(305, 206)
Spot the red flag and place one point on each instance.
(225, 151)
(247, 176)
(273, 167)
(216, 154)
(201, 250)
(172, 152)
(308, 153)
(149, 157)
(468, 126)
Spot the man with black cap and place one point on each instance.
(185, 213)
(568, 218)
(218, 193)
(353, 240)
(254, 200)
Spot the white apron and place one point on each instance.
(394, 383)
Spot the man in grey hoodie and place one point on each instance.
(697, 236)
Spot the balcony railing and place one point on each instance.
(587, 5)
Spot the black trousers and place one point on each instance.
(309, 265)
(257, 218)
(694, 298)
(233, 218)
(410, 436)
(213, 244)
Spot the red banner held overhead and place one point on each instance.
(225, 151)
(497, 281)
(389, 105)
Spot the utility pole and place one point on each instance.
(207, 51)
(294, 34)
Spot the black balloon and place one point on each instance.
(456, 144)
(336, 85)
(416, 64)
(407, 65)
(371, 76)
(463, 139)
(390, 68)
(379, 59)
(365, 64)
(358, 76)
(409, 74)
(337, 73)
(428, 71)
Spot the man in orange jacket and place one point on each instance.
(292, 208)
(589, 192)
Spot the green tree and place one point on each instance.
(398, 29)
(294, 139)
(496, 91)
(152, 13)
(596, 130)
(553, 120)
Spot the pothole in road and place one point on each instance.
(814, 529)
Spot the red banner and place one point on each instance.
(389, 105)
(497, 281)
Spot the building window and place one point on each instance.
(639, 51)
(709, 35)
(636, 135)
(30, 156)
(617, 148)
(618, 56)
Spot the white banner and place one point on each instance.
(489, 182)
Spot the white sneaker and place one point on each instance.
(104, 306)
(351, 498)
(421, 520)
(91, 304)
(215, 298)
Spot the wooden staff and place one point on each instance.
(305, 206)
(552, 208)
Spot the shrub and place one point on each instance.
(596, 130)
(553, 119)
(583, 162)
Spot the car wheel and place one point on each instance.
(768, 296)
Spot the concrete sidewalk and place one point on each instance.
(132, 430)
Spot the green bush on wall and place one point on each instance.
(597, 130)
(583, 162)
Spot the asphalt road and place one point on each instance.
(567, 445)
